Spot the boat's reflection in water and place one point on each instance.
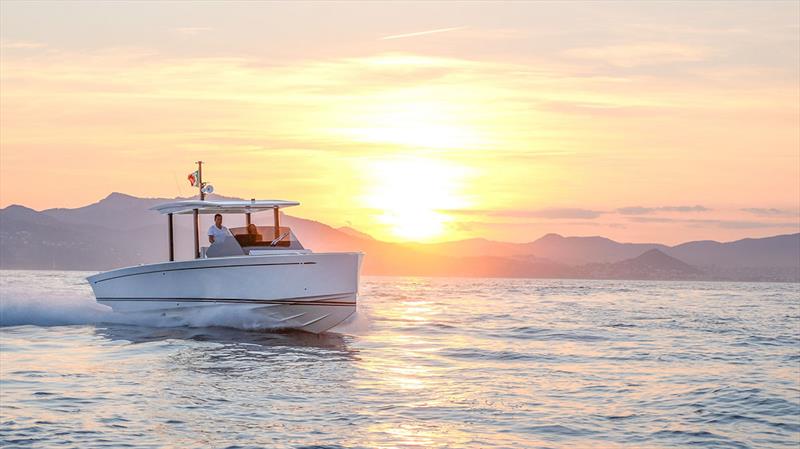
(258, 339)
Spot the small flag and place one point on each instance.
(194, 178)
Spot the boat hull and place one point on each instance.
(307, 291)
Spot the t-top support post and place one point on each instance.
(171, 239)
(277, 220)
(196, 219)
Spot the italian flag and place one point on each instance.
(194, 178)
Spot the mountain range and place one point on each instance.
(119, 230)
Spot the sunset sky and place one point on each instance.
(661, 122)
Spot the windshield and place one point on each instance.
(265, 237)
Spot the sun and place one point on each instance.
(412, 195)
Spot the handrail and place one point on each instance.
(282, 236)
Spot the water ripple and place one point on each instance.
(427, 363)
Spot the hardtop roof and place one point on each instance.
(221, 207)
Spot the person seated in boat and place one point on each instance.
(252, 233)
(217, 233)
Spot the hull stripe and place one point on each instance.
(202, 268)
(332, 302)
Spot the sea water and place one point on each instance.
(425, 363)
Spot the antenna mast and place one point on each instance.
(201, 184)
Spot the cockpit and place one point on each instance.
(244, 240)
(254, 240)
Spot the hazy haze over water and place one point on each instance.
(426, 363)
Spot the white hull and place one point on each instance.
(307, 291)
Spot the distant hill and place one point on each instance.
(355, 233)
(30, 239)
(553, 247)
(777, 251)
(655, 260)
(578, 250)
(119, 230)
(653, 264)
(474, 248)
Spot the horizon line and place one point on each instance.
(413, 242)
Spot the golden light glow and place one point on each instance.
(409, 192)
(416, 124)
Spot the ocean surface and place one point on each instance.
(426, 363)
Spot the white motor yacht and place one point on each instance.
(261, 270)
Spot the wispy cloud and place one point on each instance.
(770, 212)
(9, 44)
(639, 210)
(556, 213)
(603, 109)
(640, 54)
(421, 33)
(549, 213)
(724, 224)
